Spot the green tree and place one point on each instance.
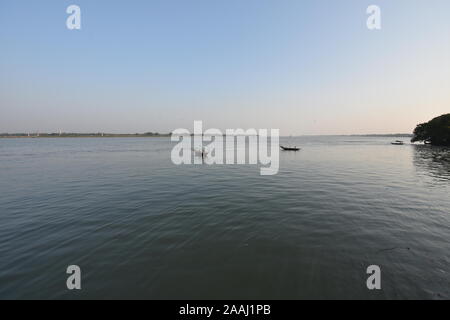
(436, 131)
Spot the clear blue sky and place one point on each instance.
(305, 67)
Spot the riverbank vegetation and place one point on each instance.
(435, 132)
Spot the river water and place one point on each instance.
(139, 226)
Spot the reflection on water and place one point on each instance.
(432, 160)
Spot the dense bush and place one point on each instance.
(436, 131)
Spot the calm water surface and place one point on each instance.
(141, 227)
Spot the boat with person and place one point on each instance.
(289, 148)
(398, 143)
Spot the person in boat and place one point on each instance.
(204, 153)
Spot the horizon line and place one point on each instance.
(149, 133)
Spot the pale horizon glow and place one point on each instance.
(304, 67)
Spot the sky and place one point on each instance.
(305, 67)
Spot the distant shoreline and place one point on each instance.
(158, 135)
(81, 135)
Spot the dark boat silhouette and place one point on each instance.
(397, 143)
(289, 148)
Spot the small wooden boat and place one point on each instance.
(289, 148)
(397, 143)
